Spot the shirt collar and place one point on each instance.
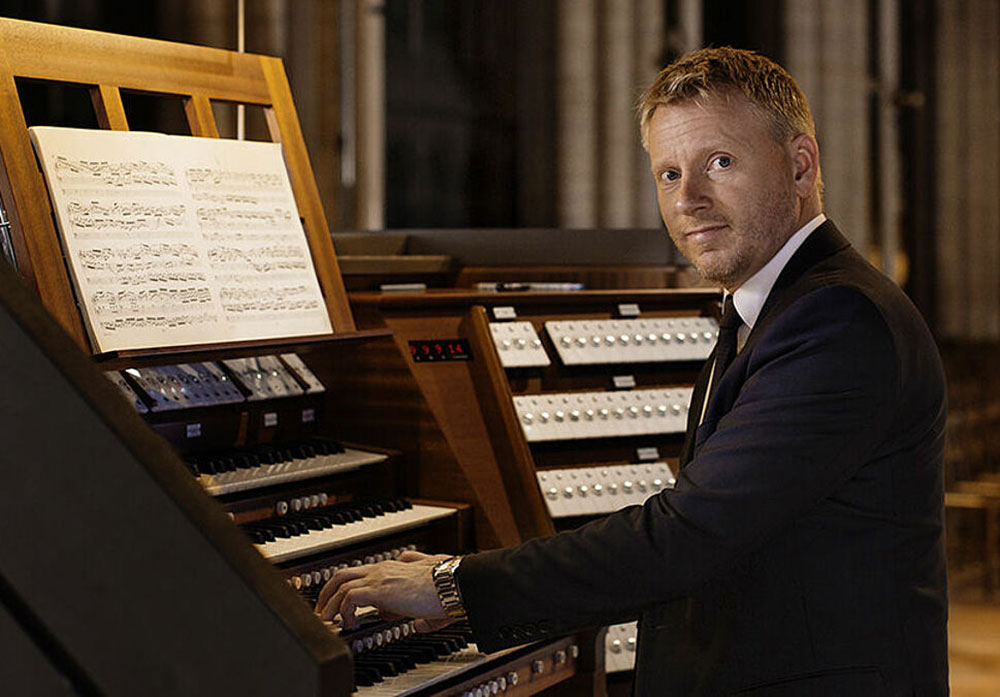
(749, 298)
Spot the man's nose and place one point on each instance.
(692, 195)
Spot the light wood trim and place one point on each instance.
(26, 200)
(201, 120)
(66, 54)
(971, 499)
(283, 124)
(108, 105)
(985, 488)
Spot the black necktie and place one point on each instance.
(725, 352)
(725, 347)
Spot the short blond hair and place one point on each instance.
(721, 72)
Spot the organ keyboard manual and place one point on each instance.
(196, 430)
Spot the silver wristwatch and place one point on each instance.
(447, 588)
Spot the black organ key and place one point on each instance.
(320, 518)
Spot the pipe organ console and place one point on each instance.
(311, 505)
(584, 396)
(305, 501)
(179, 506)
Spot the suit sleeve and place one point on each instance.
(816, 399)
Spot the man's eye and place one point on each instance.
(723, 161)
(670, 175)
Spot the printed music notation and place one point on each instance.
(123, 216)
(102, 173)
(148, 300)
(174, 240)
(260, 259)
(157, 322)
(263, 303)
(225, 198)
(141, 264)
(199, 177)
(140, 256)
(225, 218)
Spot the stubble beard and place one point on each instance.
(752, 243)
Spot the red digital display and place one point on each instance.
(434, 350)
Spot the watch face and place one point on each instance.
(446, 567)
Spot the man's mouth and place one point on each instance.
(704, 233)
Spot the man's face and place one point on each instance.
(726, 188)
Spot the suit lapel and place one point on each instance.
(824, 242)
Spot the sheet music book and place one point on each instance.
(179, 240)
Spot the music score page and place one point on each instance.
(179, 240)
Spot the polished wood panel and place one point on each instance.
(974, 649)
(471, 474)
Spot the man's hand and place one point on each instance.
(400, 588)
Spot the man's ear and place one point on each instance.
(804, 151)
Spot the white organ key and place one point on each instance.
(589, 504)
(562, 497)
(576, 499)
(550, 492)
(425, 674)
(283, 549)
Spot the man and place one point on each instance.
(801, 550)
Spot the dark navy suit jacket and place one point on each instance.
(801, 552)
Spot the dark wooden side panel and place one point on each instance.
(375, 399)
(511, 450)
(134, 573)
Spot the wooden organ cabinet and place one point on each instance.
(171, 542)
(564, 405)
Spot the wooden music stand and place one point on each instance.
(109, 65)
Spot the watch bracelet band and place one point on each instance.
(446, 586)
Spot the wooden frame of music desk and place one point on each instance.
(108, 65)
